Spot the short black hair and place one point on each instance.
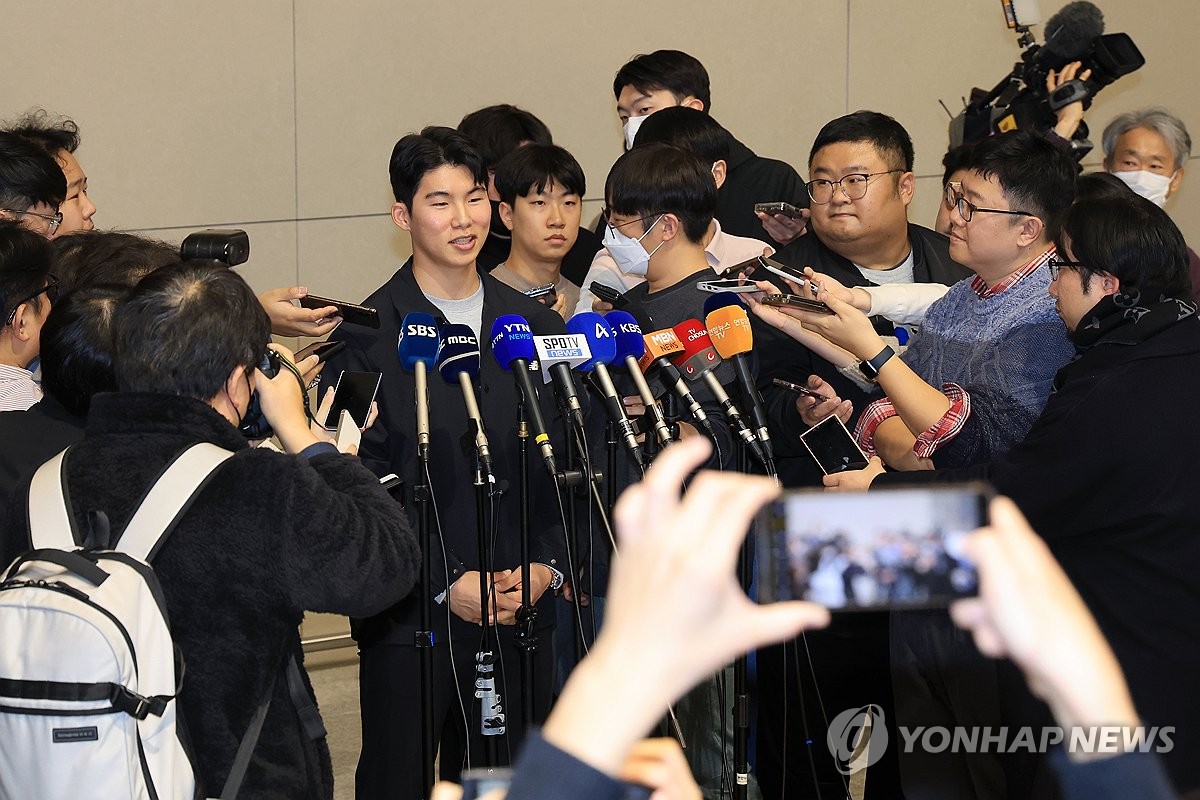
(185, 328)
(77, 347)
(25, 259)
(419, 153)
(53, 134)
(956, 158)
(882, 132)
(534, 167)
(1036, 177)
(674, 70)
(660, 179)
(109, 257)
(1129, 237)
(1100, 184)
(498, 130)
(28, 175)
(688, 129)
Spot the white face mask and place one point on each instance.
(628, 252)
(1149, 185)
(631, 128)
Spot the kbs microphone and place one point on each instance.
(729, 330)
(659, 347)
(698, 360)
(602, 340)
(417, 350)
(558, 356)
(458, 362)
(630, 348)
(512, 345)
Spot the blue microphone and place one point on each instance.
(720, 300)
(512, 345)
(458, 362)
(631, 346)
(602, 340)
(417, 350)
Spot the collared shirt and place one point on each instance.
(980, 287)
(18, 390)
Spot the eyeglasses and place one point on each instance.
(606, 212)
(51, 283)
(54, 219)
(1055, 266)
(853, 185)
(967, 209)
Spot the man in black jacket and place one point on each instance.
(269, 537)
(440, 186)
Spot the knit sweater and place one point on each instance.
(1004, 351)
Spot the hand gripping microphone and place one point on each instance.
(697, 361)
(729, 330)
(660, 345)
(458, 362)
(512, 345)
(630, 348)
(602, 340)
(417, 350)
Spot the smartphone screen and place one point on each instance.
(354, 393)
(889, 548)
(832, 446)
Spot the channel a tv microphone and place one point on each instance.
(602, 340)
(458, 362)
(730, 333)
(417, 351)
(660, 346)
(697, 362)
(512, 345)
(630, 349)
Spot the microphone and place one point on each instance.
(558, 356)
(417, 350)
(659, 347)
(698, 360)
(1069, 33)
(458, 362)
(602, 340)
(512, 345)
(630, 348)
(729, 330)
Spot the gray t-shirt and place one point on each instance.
(564, 287)
(468, 311)
(901, 273)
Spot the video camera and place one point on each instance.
(1020, 100)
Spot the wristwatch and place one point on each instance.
(870, 369)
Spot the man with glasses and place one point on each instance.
(32, 187)
(59, 137)
(25, 283)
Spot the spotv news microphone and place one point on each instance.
(602, 340)
(630, 349)
(417, 350)
(558, 356)
(730, 332)
(697, 361)
(458, 362)
(660, 346)
(512, 345)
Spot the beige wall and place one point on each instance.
(278, 116)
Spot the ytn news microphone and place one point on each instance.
(458, 362)
(630, 349)
(730, 333)
(660, 346)
(512, 345)
(602, 340)
(417, 351)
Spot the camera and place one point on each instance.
(229, 246)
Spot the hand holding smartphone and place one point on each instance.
(354, 393)
(350, 312)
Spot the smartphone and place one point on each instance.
(322, 350)
(779, 207)
(798, 389)
(350, 312)
(754, 267)
(888, 548)
(795, 301)
(229, 246)
(608, 294)
(727, 285)
(349, 434)
(355, 392)
(541, 291)
(394, 486)
(832, 446)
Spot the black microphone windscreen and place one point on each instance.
(1070, 33)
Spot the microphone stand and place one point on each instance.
(491, 709)
(424, 636)
(610, 451)
(526, 638)
(741, 696)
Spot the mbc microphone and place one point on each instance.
(630, 348)
(602, 340)
(729, 330)
(458, 362)
(512, 345)
(417, 351)
(698, 360)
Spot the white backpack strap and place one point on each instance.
(51, 523)
(169, 498)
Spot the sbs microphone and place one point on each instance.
(698, 360)
(630, 348)
(602, 340)
(417, 351)
(512, 345)
(458, 362)
(730, 333)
